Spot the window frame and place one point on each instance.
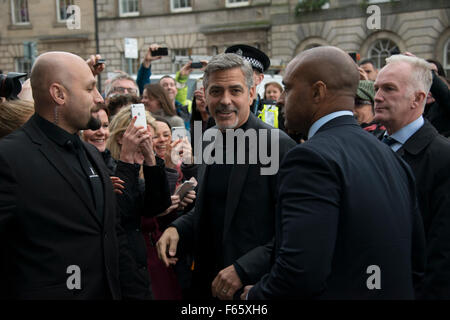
(185, 9)
(128, 14)
(445, 61)
(229, 4)
(376, 59)
(21, 61)
(58, 11)
(13, 15)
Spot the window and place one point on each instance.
(128, 8)
(20, 12)
(61, 9)
(236, 3)
(23, 65)
(129, 65)
(180, 5)
(447, 57)
(382, 49)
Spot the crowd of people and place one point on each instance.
(93, 206)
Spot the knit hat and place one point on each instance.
(366, 91)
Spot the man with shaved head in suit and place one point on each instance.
(347, 226)
(58, 212)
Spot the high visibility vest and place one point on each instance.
(269, 114)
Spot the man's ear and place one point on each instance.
(58, 93)
(252, 92)
(419, 98)
(318, 91)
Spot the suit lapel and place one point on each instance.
(55, 159)
(60, 165)
(106, 181)
(202, 175)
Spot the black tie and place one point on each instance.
(94, 179)
(388, 140)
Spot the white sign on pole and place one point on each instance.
(131, 48)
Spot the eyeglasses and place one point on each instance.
(123, 90)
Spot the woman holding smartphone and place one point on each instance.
(146, 197)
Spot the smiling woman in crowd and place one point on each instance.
(99, 137)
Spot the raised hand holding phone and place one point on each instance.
(138, 111)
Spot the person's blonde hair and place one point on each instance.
(119, 125)
(13, 114)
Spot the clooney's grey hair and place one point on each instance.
(225, 61)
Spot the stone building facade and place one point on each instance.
(41, 25)
(207, 27)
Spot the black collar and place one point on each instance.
(421, 139)
(60, 136)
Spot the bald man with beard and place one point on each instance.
(58, 216)
(347, 222)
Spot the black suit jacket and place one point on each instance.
(49, 223)
(346, 203)
(428, 154)
(249, 213)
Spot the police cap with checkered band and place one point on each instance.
(258, 59)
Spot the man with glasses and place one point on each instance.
(121, 84)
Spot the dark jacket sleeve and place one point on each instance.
(441, 93)
(172, 178)
(129, 200)
(257, 262)
(133, 285)
(156, 196)
(308, 210)
(143, 77)
(157, 193)
(185, 227)
(189, 171)
(9, 191)
(436, 284)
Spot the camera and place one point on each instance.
(10, 85)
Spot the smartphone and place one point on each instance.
(184, 188)
(179, 133)
(196, 65)
(138, 110)
(160, 52)
(99, 62)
